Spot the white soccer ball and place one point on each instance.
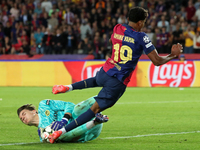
(47, 131)
(45, 135)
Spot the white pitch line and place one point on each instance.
(123, 137)
(10, 144)
(158, 102)
(157, 134)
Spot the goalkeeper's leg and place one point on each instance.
(81, 131)
(82, 107)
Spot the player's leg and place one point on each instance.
(83, 118)
(84, 131)
(77, 132)
(88, 83)
(93, 133)
(112, 90)
(82, 107)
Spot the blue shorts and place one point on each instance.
(112, 89)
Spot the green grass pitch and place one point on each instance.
(143, 119)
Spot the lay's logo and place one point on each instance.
(172, 74)
(90, 71)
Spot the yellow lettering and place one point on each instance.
(118, 36)
(128, 39)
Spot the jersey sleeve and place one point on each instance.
(69, 107)
(146, 43)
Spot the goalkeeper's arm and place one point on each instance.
(40, 133)
(59, 124)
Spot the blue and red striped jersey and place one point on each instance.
(127, 47)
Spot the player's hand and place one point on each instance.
(57, 125)
(176, 49)
(40, 130)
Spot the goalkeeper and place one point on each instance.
(56, 114)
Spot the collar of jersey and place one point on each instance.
(127, 26)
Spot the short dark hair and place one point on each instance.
(27, 106)
(137, 13)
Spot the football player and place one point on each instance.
(57, 114)
(128, 44)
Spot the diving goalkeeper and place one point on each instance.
(57, 114)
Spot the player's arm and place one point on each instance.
(67, 107)
(57, 125)
(67, 116)
(160, 60)
(40, 132)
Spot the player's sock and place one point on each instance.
(63, 131)
(83, 118)
(90, 124)
(90, 82)
(70, 87)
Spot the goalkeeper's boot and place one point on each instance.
(59, 89)
(101, 118)
(54, 136)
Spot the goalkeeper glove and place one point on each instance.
(40, 131)
(57, 125)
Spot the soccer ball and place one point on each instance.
(46, 132)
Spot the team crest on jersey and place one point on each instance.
(47, 113)
(146, 39)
